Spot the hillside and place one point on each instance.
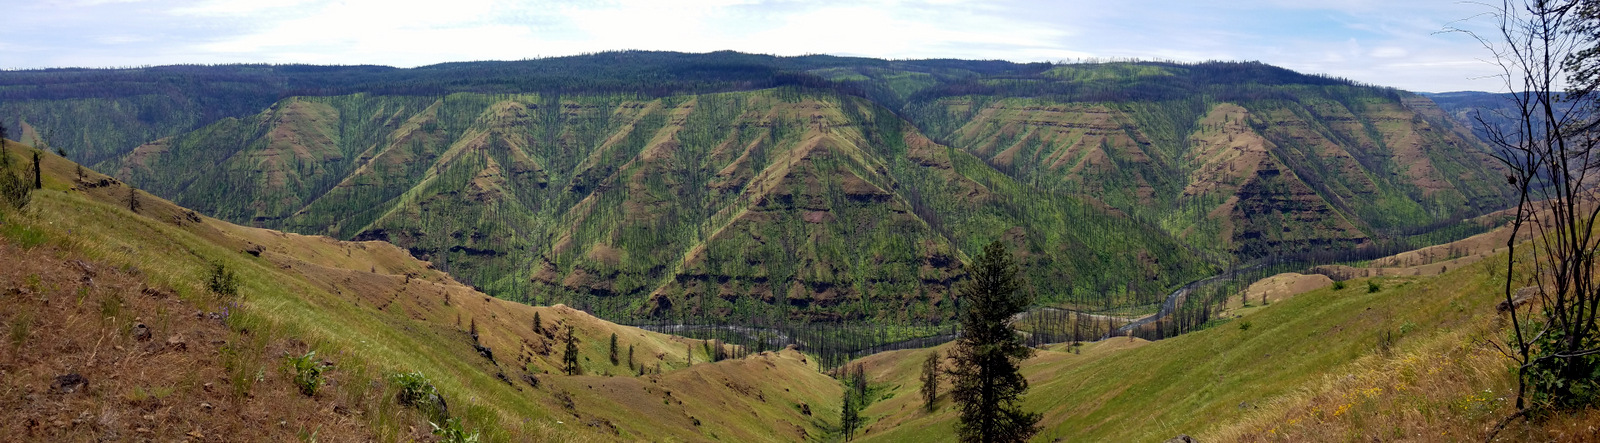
(85, 271)
(85, 276)
(780, 203)
(1403, 363)
(1244, 158)
(728, 186)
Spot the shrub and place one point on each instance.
(1386, 340)
(1338, 286)
(1372, 286)
(307, 373)
(418, 392)
(453, 432)
(1562, 383)
(222, 281)
(14, 191)
(1244, 326)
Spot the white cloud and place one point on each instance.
(1375, 41)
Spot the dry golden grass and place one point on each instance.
(374, 310)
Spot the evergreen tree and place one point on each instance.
(986, 384)
(538, 324)
(614, 359)
(38, 182)
(930, 381)
(850, 416)
(569, 358)
(630, 357)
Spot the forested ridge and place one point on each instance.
(734, 186)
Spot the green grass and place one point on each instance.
(1196, 382)
(271, 304)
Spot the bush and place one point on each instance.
(453, 432)
(15, 192)
(1338, 286)
(1561, 383)
(1372, 286)
(222, 281)
(307, 373)
(418, 392)
(1386, 341)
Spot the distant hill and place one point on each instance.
(728, 185)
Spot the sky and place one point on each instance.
(1395, 43)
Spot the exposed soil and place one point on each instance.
(143, 364)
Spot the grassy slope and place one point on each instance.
(342, 299)
(1292, 375)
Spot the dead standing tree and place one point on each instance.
(1546, 50)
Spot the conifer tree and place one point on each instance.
(630, 357)
(850, 416)
(37, 177)
(538, 324)
(986, 383)
(569, 358)
(930, 381)
(614, 359)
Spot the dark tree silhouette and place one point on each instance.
(569, 358)
(850, 416)
(986, 383)
(614, 357)
(133, 203)
(38, 182)
(930, 381)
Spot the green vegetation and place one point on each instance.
(222, 281)
(14, 192)
(930, 381)
(647, 185)
(660, 208)
(1556, 347)
(307, 372)
(985, 382)
(416, 391)
(569, 354)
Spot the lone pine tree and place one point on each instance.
(38, 182)
(569, 358)
(930, 381)
(986, 384)
(614, 359)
